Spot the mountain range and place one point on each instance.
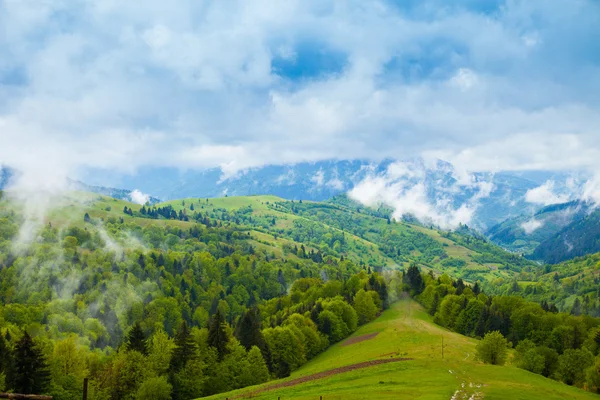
(499, 204)
(493, 197)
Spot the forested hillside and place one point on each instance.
(525, 233)
(199, 296)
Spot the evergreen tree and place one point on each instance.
(29, 373)
(136, 340)
(86, 218)
(217, 334)
(414, 279)
(248, 330)
(185, 348)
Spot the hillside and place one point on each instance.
(366, 236)
(577, 239)
(524, 234)
(406, 331)
(124, 286)
(322, 180)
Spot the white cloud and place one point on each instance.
(545, 195)
(404, 187)
(336, 183)
(124, 84)
(319, 177)
(138, 197)
(532, 225)
(464, 79)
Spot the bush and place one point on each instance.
(493, 349)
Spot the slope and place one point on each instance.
(406, 331)
(524, 234)
(577, 239)
(359, 233)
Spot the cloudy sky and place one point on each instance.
(115, 84)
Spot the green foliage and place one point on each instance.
(572, 365)
(365, 306)
(154, 388)
(136, 340)
(29, 372)
(493, 349)
(218, 337)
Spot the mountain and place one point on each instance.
(523, 234)
(493, 197)
(553, 234)
(580, 237)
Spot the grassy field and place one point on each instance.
(406, 330)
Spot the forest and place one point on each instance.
(180, 313)
(196, 297)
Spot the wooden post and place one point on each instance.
(18, 396)
(85, 388)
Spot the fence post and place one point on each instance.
(85, 388)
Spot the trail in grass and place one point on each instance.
(320, 375)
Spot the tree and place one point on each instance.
(155, 388)
(248, 330)
(572, 365)
(365, 307)
(86, 218)
(492, 349)
(185, 348)
(260, 372)
(413, 279)
(217, 334)
(136, 340)
(30, 374)
(527, 357)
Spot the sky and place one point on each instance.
(118, 85)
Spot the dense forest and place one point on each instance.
(180, 313)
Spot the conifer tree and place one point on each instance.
(136, 340)
(29, 373)
(249, 330)
(217, 335)
(185, 348)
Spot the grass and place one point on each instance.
(406, 330)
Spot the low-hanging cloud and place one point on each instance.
(83, 85)
(545, 195)
(404, 188)
(532, 225)
(138, 197)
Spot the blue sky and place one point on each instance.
(118, 85)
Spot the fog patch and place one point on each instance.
(532, 225)
(138, 197)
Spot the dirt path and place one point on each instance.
(359, 339)
(321, 375)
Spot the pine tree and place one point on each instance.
(29, 374)
(185, 348)
(217, 335)
(136, 340)
(249, 330)
(86, 218)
